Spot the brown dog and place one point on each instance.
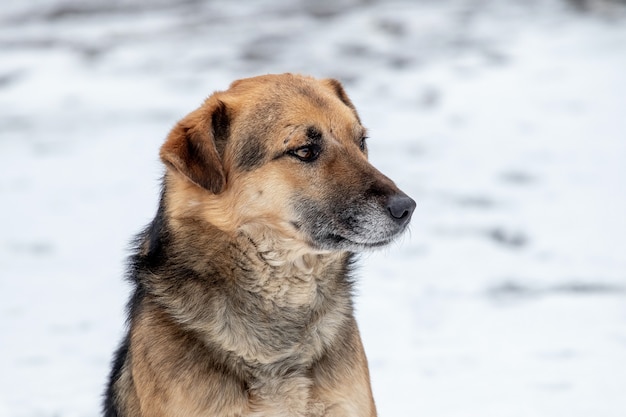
(242, 303)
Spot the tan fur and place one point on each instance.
(242, 305)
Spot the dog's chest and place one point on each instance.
(288, 397)
(298, 310)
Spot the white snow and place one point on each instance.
(506, 121)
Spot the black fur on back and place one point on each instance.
(148, 252)
(109, 406)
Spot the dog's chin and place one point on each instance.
(356, 243)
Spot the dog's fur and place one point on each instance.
(242, 302)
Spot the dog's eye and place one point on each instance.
(363, 144)
(307, 153)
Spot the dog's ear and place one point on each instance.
(341, 93)
(196, 144)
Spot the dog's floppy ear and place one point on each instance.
(192, 146)
(341, 93)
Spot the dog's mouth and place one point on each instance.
(353, 226)
(352, 241)
(340, 240)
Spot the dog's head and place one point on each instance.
(287, 152)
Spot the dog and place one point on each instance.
(242, 302)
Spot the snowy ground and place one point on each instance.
(506, 123)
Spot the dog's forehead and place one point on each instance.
(287, 101)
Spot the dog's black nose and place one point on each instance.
(401, 208)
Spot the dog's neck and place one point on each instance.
(268, 278)
(289, 271)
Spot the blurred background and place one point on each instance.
(504, 120)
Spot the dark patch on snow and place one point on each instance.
(66, 10)
(400, 61)
(509, 238)
(588, 288)
(265, 49)
(517, 177)
(429, 98)
(476, 202)
(32, 248)
(517, 290)
(356, 50)
(511, 289)
(607, 8)
(496, 58)
(9, 78)
(326, 9)
(392, 27)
